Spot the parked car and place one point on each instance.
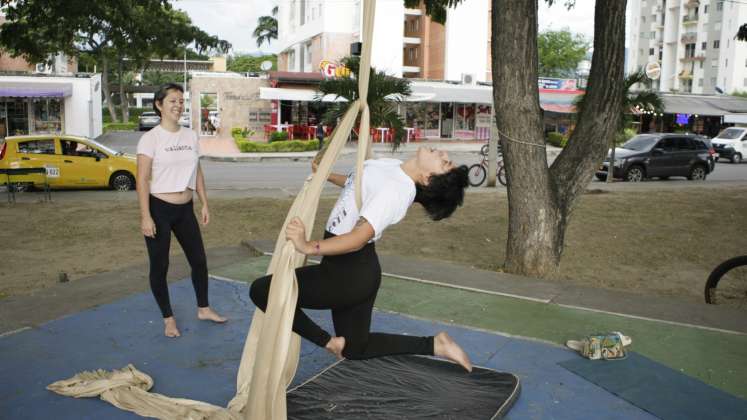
(731, 144)
(661, 156)
(184, 119)
(148, 120)
(70, 161)
(711, 151)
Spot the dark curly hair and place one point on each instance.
(444, 193)
(161, 93)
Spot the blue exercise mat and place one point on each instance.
(658, 389)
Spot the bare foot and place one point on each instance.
(444, 346)
(208, 314)
(335, 345)
(170, 329)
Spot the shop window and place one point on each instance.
(465, 117)
(47, 116)
(15, 117)
(209, 114)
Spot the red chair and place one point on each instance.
(268, 131)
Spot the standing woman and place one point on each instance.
(168, 174)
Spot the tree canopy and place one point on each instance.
(242, 63)
(560, 52)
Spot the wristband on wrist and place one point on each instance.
(317, 251)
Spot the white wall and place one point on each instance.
(82, 109)
(388, 37)
(467, 41)
(733, 50)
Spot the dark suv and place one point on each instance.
(661, 156)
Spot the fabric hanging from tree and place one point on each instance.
(271, 351)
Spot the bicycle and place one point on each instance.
(479, 171)
(727, 284)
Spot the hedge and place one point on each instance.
(119, 127)
(557, 139)
(277, 146)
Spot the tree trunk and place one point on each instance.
(122, 95)
(105, 89)
(492, 150)
(540, 200)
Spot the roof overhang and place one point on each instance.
(35, 90)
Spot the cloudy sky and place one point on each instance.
(235, 20)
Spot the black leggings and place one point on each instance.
(347, 284)
(180, 219)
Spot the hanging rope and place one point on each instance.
(271, 351)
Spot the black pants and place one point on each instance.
(180, 219)
(346, 284)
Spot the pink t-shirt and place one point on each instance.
(175, 158)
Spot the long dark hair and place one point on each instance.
(444, 193)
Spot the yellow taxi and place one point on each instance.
(69, 161)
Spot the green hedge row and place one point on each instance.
(277, 146)
(119, 127)
(134, 113)
(557, 139)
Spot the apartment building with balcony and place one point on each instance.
(407, 43)
(693, 41)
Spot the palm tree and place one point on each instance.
(267, 28)
(646, 99)
(384, 95)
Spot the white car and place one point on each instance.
(184, 120)
(731, 144)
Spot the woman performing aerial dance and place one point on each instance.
(348, 277)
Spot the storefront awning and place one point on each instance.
(704, 104)
(286, 94)
(554, 101)
(35, 90)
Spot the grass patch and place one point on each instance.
(650, 242)
(277, 146)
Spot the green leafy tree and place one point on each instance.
(247, 63)
(384, 94)
(120, 35)
(560, 52)
(267, 28)
(541, 197)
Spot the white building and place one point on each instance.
(693, 41)
(36, 104)
(406, 42)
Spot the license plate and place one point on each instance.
(53, 172)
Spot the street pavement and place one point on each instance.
(287, 174)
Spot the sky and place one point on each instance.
(235, 20)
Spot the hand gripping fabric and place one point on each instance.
(270, 356)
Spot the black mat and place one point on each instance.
(661, 391)
(403, 387)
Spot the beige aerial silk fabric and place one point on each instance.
(271, 351)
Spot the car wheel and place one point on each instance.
(635, 174)
(122, 181)
(736, 158)
(697, 173)
(715, 159)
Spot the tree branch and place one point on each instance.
(598, 119)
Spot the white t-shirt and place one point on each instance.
(387, 194)
(175, 158)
